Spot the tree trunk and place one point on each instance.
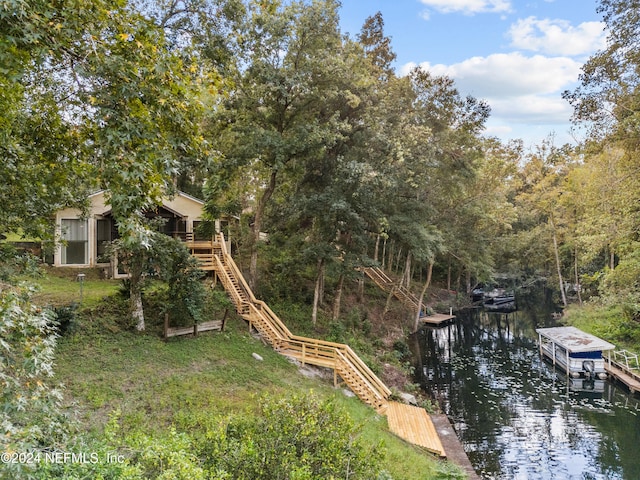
(557, 255)
(134, 269)
(137, 311)
(338, 298)
(257, 226)
(406, 274)
(575, 271)
(317, 291)
(384, 251)
(416, 325)
(377, 247)
(387, 305)
(398, 255)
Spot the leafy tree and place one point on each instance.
(275, 117)
(168, 260)
(377, 46)
(31, 416)
(42, 163)
(117, 107)
(607, 101)
(607, 96)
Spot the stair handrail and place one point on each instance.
(228, 283)
(275, 333)
(379, 395)
(381, 279)
(284, 334)
(364, 369)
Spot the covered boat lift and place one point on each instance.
(577, 352)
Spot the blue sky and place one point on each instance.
(518, 55)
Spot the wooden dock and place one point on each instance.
(628, 378)
(437, 318)
(414, 425)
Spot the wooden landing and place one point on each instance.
(629, 380)
(414, 425)
(437, 318)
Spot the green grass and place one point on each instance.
(60, 286)
(607, 322)
(188, 382)
(156, 384)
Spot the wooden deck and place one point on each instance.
(437, 318)
(627, 378)
(414, 425)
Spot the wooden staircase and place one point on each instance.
(383, 281)
(339, 357)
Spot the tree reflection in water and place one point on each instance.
(516, 417)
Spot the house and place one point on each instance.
(84, 238)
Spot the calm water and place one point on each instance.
(518, 418)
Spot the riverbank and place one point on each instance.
(155, 387)
(608, 322)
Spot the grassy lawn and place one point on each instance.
(61, 287)
(606, 322)
(186, 382)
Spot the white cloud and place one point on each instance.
(468, 7)
(557, 37)
(523, 92)
(504, 75)
(532, 109)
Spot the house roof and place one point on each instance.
(181, 204)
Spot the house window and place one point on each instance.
(103, 238)
(75, 246)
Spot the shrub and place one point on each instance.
(30, 417)
(294, 438)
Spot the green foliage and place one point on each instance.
(299, 438)
(13, 263)
(30, 414)
(66, 316)
(168, 260)
(186, 294)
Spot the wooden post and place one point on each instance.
(224, 319)
(195, 329)
(166, 325)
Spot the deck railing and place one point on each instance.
(339, 357)
(382, 280)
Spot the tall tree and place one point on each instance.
(276, 116)
(99, 99)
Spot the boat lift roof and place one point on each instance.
(575, 340)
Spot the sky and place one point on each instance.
(517, 55)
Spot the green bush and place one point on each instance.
(294, 438)
(30, 413)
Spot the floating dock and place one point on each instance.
(437, 318)
(414, 425)
(624, 367)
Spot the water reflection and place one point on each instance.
(516, 416)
